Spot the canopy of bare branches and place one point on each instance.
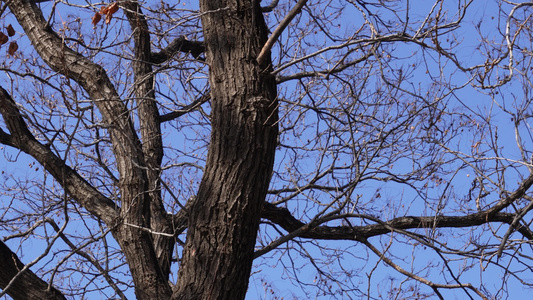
(344, 149)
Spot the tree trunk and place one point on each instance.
(224, 220)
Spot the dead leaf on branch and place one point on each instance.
(12, 48)
(3, 38)
(108, 18)
(105, 10)
(110, 9)
(10, 30)
(113, 8)
(96, 18)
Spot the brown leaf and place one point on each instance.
(10, 30)
(113, 8)
(96, 18)
(12, 48)
(103, 10)
(3, 38)
(108, 18)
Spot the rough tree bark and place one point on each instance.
(224, 220)
(135, 213)
(150, 128)
(27, 285)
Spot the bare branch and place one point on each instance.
(21, 138)
(186, 109)
(270, 7)
(284, 218)
(27, 284)
(179, 44)
(277, 32)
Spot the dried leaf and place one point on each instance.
(113, 8)
(10, 30)
(96, 18)
(103, 10)
(3, 38)
(108, 18)
(12, 48)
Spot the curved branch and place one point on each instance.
(326, 72)
(27, 285)
(283, 218)
(21, 138)
(93, 78)
(270, 7)
(433, 285)
(180, 44)
(277, 32)
(186, 109)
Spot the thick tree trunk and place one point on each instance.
(224, 220)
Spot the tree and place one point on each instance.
(328, 136)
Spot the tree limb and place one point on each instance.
(277, 32)
(150, 280)
(93, 78)
(187, 108)
(27, 285)
(180, 44)
(152, 142)
(21, 138)
(282, 217)
(270, 7)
